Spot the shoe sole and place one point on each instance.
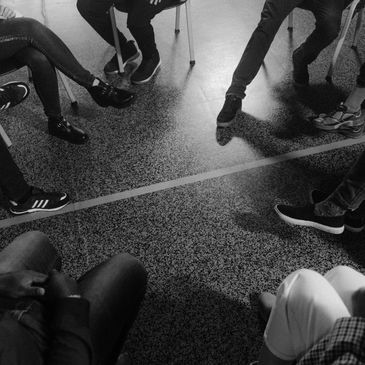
(354, 229)
(227, 124)
(299, 222)
(33, 210)
(348, 132)
(130, 59)
(140, 82)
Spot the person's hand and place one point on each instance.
(22, 283)
(358, 303)
(6, 12)
(155, 2)
(60, 285)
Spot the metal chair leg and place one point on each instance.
(177, 20)
(291, 21)
(357, 29)
(341, 40)
(5, 137)
(116, 39)
(190, 33)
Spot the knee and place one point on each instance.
(33, 27)
(340, 271)
(37, 237)
(36, 59)
(84, 7)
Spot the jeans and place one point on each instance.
(11, 179)
(328, 15)
(140, 14)
(348, 195)
(114, 288)
(27, 42)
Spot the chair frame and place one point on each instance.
(177, 31)
(342, 36)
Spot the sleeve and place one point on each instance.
(70, 342)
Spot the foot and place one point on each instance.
(39, 201)
(300, 71)
(354, 220)
(60, 128)
(341, 120)
(305, 216)
(129, 53)
(107, 95)
(12, 94)
(266, 303)
(146, 70)
(231, 107)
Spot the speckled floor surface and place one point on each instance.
(210, 246)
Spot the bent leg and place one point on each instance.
(306, 308)
(273, 14)
(44, 77)
(115, 289)
(328, 14)
(346, 281)
(30, 251)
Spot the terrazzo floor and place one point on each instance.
(209, 245)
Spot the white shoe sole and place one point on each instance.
(150, 77)
(33, 210)
(299, 222)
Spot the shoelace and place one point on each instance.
(107, 90)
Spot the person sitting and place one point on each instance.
(328, 14)
(315, 319)
(27, 42)
(346, 119)
(47, 317)
(140, 14)
(22, 198)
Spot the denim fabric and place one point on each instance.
(12, 180)
(328, 20)
(25, 41)
(348, 195)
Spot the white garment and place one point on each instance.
(307, 306)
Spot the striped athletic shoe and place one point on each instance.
(12, 94)
(40, 201)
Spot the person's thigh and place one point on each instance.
(140, 12)
(328, 13)
(30, 251)
(306, 308)
(346, 281)
(115, 289)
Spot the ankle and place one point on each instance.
(25, 197)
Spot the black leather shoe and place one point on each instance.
(108, 95)
(300, 71)
(231, 106)
(62, 129)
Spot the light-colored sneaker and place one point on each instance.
(340, 118)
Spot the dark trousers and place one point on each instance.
(12, 180)
(328, 15)
(349, 194)
(114, 288)
(360, 81)
(27, 42)
(140, 14)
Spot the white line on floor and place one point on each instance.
(181, 182)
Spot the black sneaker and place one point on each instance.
(59, 127)
(304, 216)
(232, 105)
(40, 201)
(354, 221)
(108, 95)
(146, 70)
(12, 94)
(300, 71)
(129, 53)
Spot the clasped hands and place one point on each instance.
(24, 283)
(7, 13)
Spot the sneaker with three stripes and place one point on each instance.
(38, 201)
(12, 94)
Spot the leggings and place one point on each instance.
(27, 42)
